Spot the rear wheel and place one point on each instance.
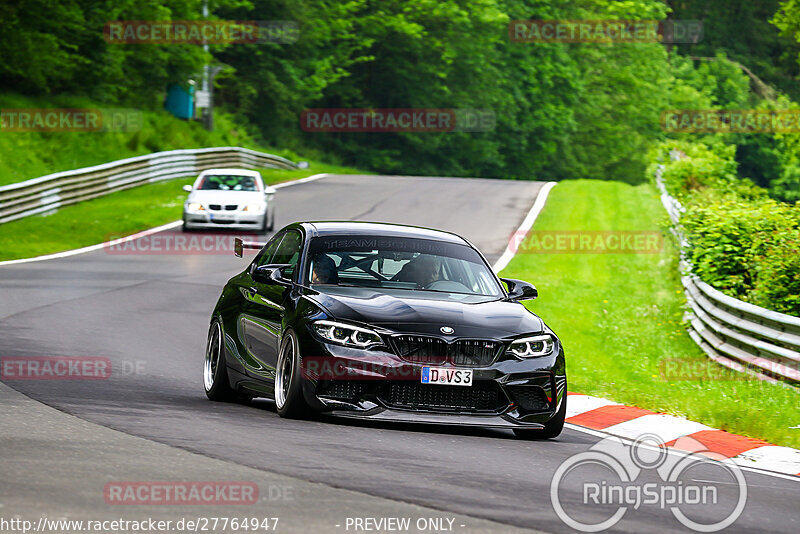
(289, 400)
(551, 429)
(215, 371)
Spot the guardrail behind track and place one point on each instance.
(734, 333)
(53, 191)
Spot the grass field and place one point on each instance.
(116, 215)
(620, 317)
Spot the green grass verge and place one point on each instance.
(117, 214)
(26, 155)
(620, 319)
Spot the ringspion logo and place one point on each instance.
(618, 478)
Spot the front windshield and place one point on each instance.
(400, 263)
(228, 182)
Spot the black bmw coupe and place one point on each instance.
(386, 322)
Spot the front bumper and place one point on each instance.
(237, 220)
(399, 416)
(380, 385)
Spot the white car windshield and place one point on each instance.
(228, 182)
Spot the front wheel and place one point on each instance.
(289, 400)
(215, 371)
(551, 429)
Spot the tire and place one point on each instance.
(551, 429)
(215, 369)
(289, 400)
(271, 217)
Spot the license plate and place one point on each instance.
(221, 217)
(446, 376)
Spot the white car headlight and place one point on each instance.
(195, 206)
(253, 207)
(347, 335)
(532, 347)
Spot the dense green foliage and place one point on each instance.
(564, 110)
(741, 241)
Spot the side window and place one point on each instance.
(268, 252)
(289, 252)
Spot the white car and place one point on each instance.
(229, 198)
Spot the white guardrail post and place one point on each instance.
(70, 187)
(732, 332)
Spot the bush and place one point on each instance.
(741, 242)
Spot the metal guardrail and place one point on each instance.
(70, 187)
(734, 333)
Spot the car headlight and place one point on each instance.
(532, 347)
(253, 207)
(195, 206)
(347, 335)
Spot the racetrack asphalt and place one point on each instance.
(148, 314)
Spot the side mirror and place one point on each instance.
(272, 275)
(187, 188)
(519, 290)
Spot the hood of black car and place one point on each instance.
(425, 312)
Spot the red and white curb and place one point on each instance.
(628, 422)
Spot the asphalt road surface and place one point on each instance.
(148, 313)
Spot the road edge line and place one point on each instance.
(149, 231)
(527, 224)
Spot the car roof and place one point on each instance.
(329, 228)
(234, 172)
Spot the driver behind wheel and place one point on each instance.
(324, 270)
(422, 270)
